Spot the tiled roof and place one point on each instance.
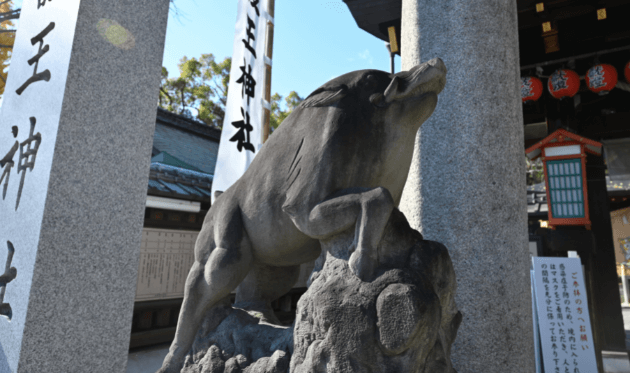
(171, 181)
(194, 143)
(167, 159)
(184, 155)
(188, 124)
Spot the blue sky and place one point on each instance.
(314, 41)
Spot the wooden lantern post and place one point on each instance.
(564, 162)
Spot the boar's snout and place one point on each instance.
(438, 64)
(424, 78)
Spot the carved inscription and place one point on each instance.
(43, 49)
(6, 163)
(28, 153)
(9, 275)
(26, 161)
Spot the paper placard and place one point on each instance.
(166, 256)
(563, 319)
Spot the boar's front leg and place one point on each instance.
(368, 208)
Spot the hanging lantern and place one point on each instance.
(601, 78)
(626, 72)
(563, 83)
(531, 88)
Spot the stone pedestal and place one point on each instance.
(403, 320)
(76, 131)
(466, 187)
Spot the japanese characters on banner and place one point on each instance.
(29, 120)
(241, 136)
(563, 319)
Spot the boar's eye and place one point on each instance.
(370, 82)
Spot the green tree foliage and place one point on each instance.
(200, 91)
(7, 38)
(278, 115)
(535, 173)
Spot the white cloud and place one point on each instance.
(365, 55)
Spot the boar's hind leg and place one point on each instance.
(368, 208)
(211, 279)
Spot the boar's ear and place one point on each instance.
(325, 96)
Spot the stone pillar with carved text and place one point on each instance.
(466, 186)
(76, 130)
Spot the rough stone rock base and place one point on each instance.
(404, 320)
(242, 343)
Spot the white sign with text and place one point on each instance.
(566, 337)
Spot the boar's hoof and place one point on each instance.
(362, 265)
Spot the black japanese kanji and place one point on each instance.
(28, 153)
(254, 4)
(44, 75)
(9, 275)
(7, 164)
(247, 81)
(241, 137)
(41, 3)
(250, 36)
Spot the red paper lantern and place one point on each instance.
(531, 88)
(601, 78)
(626, 72)
(563, 83)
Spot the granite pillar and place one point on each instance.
(466, 187)
(76, 132)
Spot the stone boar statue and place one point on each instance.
(340, 160)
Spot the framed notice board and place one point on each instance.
(564, 326)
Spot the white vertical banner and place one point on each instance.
(241, 137)
(565, 328)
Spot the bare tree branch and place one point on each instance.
(170, 99)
